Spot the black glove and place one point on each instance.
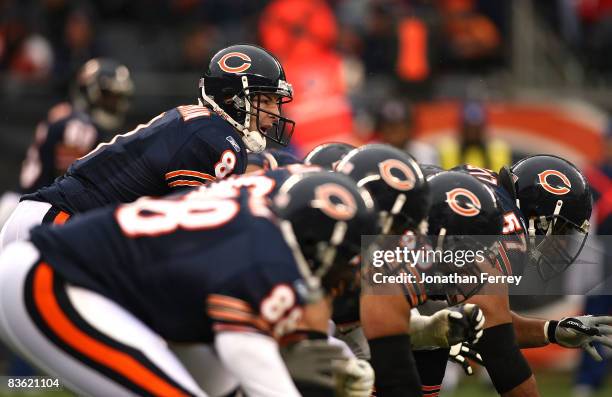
(459, 354)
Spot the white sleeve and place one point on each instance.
(255, 361)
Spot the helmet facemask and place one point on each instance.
(456, 293)
(110, 110)
(104, 94)
(241, 107)
(323, 270)
(555, 242)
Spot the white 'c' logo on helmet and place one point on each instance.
(343, 209)
(471, 206)
(234, 69)
(559, 190)
(400, 183)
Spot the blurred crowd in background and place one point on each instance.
(47, 40)
(351, 61)
(451, 81)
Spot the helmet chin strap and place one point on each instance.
(326, 256)
(253, 140)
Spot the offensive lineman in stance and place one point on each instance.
(106, 292)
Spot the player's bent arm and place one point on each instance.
(493, 301)
(384, 315)
(316, 316)
(498, 345)
(530, 332)
(386, 324)
(570, 332)
(256, 362)
(350, 376)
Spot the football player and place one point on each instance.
(395, 183)
(241, 96)
(308, 365)
(270, 160)
(100, 98)
(544, 198)
(398, 187)
(328, 155)
(452, 214)
(100, 302)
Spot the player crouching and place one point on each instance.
(130, 299)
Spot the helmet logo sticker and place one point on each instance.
(234, 69)
(404, 183)
(469, 206)
(559, 190)
(335, 201)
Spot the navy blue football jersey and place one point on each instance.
(272, 159)
(261, 183)
(185, 146)
(512, 256)
(187, 266)
(60, 139)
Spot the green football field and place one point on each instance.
(550, 384)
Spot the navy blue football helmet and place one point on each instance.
(237, 78)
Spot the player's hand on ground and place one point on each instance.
(355, 378)
(466, 324)
(582, 331)
(447, 327)
(460, 353)
(313, 361)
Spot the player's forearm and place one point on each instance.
(529, 331)
(257, 364)
(386, 324)
(384, 315)
(316, 316)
